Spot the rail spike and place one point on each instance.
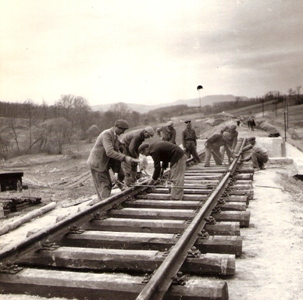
(166, 252)
(99, 216)
(210, 220)
(203, 234)
(49, 246)
(179, 279)
(74, 229)
(216, 210)
(221, 201)
(193, 252)
(10, 268)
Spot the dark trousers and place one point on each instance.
(190, 149)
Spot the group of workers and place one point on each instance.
(116, 161)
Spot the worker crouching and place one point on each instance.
(258, 154)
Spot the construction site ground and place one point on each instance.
(271, 265)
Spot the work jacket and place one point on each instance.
(132, 140)
(106, 147)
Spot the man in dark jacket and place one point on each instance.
(130, 143)
(105, 155)
(189, 141)
(166, 153)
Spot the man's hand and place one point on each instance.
(131, 161)
(151, 182)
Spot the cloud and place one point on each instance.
(148, 51)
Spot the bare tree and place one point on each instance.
(12, 126)
(31, 115)
(58, 133)
(298, 88)
(121, 110)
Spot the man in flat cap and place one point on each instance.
(258, 154)
(167, 132)
(189, 141)
(166, 153)
(105, 156)
(130, 143)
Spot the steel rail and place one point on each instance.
(34, 241)
(162, 279)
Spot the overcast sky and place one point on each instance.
(148, 51)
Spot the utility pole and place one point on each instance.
(200, 87)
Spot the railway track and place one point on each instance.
(138, 244)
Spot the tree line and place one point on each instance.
(29, 128)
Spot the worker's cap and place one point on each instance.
(226, 135)
(142, 147)
(170, 123)
(121, 124)
(187, 121)
(252, 139)
(232, 127)
(149, 130)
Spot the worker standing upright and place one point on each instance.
(189, 141)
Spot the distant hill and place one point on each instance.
(206, 100)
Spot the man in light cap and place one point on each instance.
(130, 143)
(258, 155)
(167, 132)
(231, 135)
(212, 147)
(189, 141)
(105, 156)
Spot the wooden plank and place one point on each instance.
(243, 217)
(163, 204)
(245, 187)
(232, 206)
(243, 176)
(150, 241)
(166, 190)
(102, 286)
(223, 228)
(236, 198)
(220, 244)
(160, 226)
(176, 214)
(138, 225)
(154, 196)
(127, 261)
(203, 177)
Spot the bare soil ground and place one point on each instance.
(271, 266)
